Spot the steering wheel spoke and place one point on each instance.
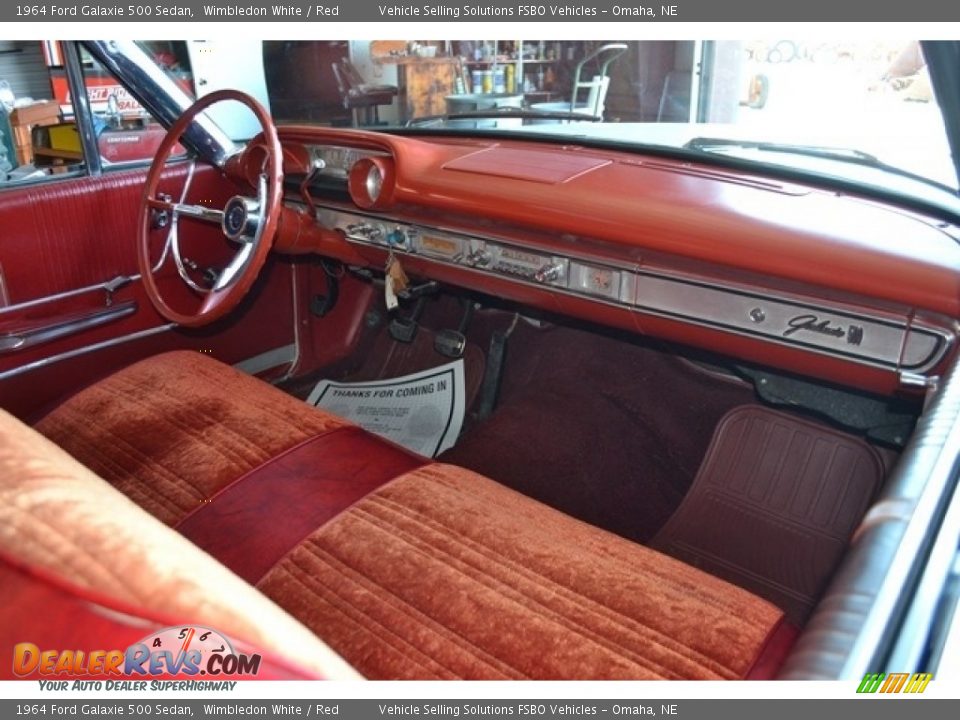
(235, 269)
(250, 222)
(198, 212)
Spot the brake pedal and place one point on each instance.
(452, 343)
(405, 329)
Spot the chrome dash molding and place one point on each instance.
(43, 362)
(891, 341)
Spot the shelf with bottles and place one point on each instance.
(539, 62)
(534, 68)
(486, 78)
(486, 52)
(540, 51)
(487, 66)
(538, 78)
(499, 60)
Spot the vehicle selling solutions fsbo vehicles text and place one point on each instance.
(523, 11)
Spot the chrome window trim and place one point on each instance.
(82, 111)
(855, 625)
(944, 658)
(933, 607)
(161, 96)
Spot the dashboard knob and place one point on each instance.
(397, 237)
(478, 258)
(548, 273)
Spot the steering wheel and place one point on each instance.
(249, 222)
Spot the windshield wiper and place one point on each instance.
(828, 153)
(844, 155)
(503, 113)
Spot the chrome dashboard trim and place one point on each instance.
(320, 154)
(892, 341)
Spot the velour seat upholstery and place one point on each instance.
(72, 546)
(172, 430)
(404, 567)
(443, 573)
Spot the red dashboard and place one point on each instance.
(845, 288)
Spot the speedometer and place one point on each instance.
(337, 160)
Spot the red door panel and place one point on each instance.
(61, 237)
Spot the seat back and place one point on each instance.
(60, 521)
(357, 94)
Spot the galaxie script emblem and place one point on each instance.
(812, 323)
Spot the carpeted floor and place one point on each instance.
(602, 429)
(612, 429)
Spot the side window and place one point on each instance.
(29, 111)
(125, 131)
(39, 138)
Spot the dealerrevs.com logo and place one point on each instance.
(186, 651)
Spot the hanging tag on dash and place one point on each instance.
(395, 270)
(396, 281)
(389, 295)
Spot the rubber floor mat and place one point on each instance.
(773, 506)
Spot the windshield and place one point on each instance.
(783, 97)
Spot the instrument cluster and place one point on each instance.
(337, 160)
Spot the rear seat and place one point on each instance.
(406, 568)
